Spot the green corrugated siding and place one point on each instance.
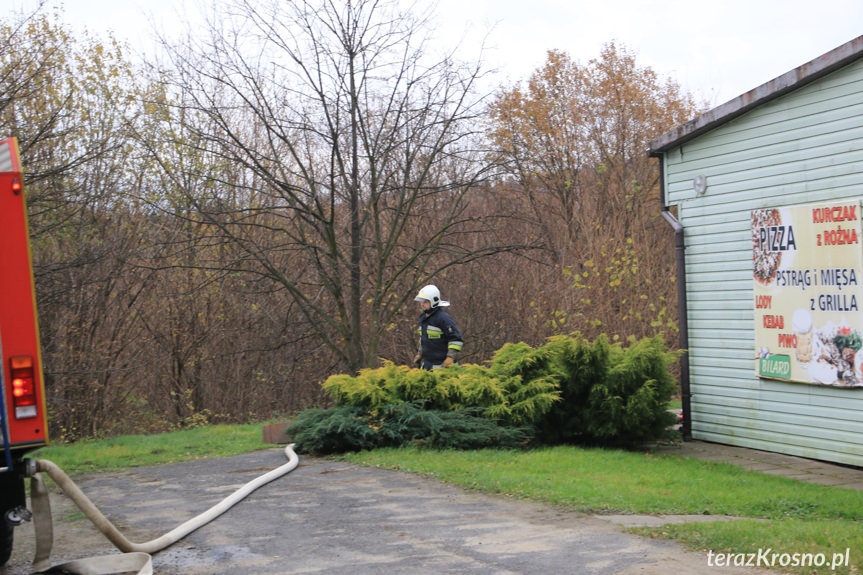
(805, 147)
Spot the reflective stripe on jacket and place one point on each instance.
(439, 337)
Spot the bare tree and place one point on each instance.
(336, 155)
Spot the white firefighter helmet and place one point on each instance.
(431, 294)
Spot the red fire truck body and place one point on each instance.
(22, 389)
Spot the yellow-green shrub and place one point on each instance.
(500, 396)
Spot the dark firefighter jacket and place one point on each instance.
(439, 337)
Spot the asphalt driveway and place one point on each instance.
(333, 517)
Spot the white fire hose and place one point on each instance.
(136, 556)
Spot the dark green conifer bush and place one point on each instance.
(335, 430)
(611, 394)
(349, 428)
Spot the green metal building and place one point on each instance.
(738, 183)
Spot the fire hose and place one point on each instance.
(136, 556)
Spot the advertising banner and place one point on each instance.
(807, 266)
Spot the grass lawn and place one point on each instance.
(782, 515)
(127, 451)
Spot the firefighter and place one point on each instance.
(440, 339)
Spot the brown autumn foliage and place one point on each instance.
(171, 292)
(573, 140)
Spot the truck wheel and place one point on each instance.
(6, 533)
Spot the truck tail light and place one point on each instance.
(23, 386)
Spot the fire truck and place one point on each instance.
(22, 389)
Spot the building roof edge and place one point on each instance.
(779, 86)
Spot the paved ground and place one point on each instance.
(789, 466)
(332, 517)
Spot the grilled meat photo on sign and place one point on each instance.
(836, 356)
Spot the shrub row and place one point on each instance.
(569, 391)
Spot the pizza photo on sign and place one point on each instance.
(773, 244)
(765, 262)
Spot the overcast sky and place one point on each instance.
(716, 49)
